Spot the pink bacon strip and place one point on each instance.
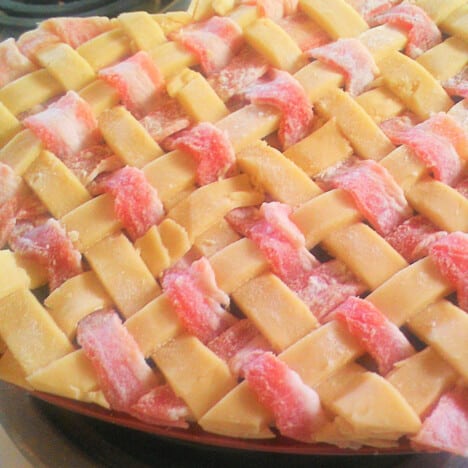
(376, 334)
(210, 147)
(423, 33)
(197, 300)
(31, 42)
(283, 92)
(161, 406)
(123, 374)
(214, 42)
(49, 245)
(352, 59)
(76, 31)
(283, 245)
(13, 63)
(305, 33)
(329, 285)
(238, 344)
(458, 84)
(165, 119)
(446, 428)
(66, 127)
(413, 238)
(136, 201)
(295, 406)
(138, 82)
(376, 194)
(243, 70)
(450, 253)
(438, 142)
(370, 8)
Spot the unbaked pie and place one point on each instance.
(251, 216)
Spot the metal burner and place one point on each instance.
(18, 15)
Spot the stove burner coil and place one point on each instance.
(27, 14)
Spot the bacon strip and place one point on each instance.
(76, 31)
(238, 344)
(376, 194)
(292, 262)
(439, 142)
(13, 63)
(31, 42)
(49, 245)
(423, 33)
(165, 119)
(352, 58)
(458, 84)
(243, 70)
(123, 374)
(446, 428)
(450, 253)
(211, 148)
(283, 92)
(136, 201)
(329, 285)
(138, 82)
(66, 127)
(163, 407)
(295, 406)
(370, 8)
(413, 238)
(214, 42)
(382, 339)
(197, 300)
(305, 33)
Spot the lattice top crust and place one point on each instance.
(250, 216)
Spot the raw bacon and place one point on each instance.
(352, 59)
(283, 92)
(451, 256)
(136, 202)
(91, 162)
(31, 42)
(214, 42)
(138, 82)
(295, 406)
(77, 31)
(435, 142)
(457, 85)
(377, 335)
(165, 119)
(412, 238)
(243, 70)
(161, 406)
(197, 300)
(446, 428)
(66, 127)
(238, 344)
(370, 8)
(292, 263)
(49, 245)
(376, 194)
(329, 284)
(13, 63)
(305, 33)
(462, 187)
(123, 374)
(423, 33)
(211, 148)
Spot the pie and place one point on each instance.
(251, 217)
